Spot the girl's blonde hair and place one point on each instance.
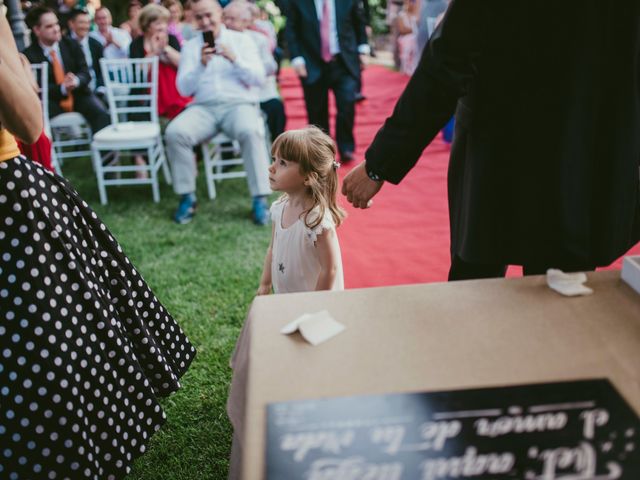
(315, 153)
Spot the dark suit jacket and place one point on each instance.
(544, 164)
(97, 52)
(366, 12)
(302, 33)
(73, 61)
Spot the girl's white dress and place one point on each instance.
(294, 258)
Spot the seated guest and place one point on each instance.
(156, 41)
(262, 24)
(188, 29)
(69, 75)
(63, 9)
(114, 40)
(224, 80)
(175, 20)
(406, 24)
(79, 26)
(239, 15)
(131, 24)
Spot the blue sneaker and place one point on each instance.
(186, 209)
(260, 210)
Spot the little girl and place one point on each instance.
(304, 253)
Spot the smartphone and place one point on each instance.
(209, 39)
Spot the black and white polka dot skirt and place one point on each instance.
(85, 346)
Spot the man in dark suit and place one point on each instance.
(366, 17)
(325, 39)
(79, 27)
(69, 75)
(544, 162)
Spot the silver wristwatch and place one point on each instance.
(372, 175)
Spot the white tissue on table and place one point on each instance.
(568, 284)
(315, 328)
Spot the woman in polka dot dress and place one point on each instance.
(85, 346)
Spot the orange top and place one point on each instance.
(8, 146)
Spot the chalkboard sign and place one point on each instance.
(580, 430)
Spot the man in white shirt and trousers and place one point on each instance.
(224, 81)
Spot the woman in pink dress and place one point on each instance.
(175, 20)
(406, 24)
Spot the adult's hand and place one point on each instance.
(207, 54)
(108, 37)
(70, 81)
(226, 52)
(158, 43)
(359, 188)
(301, 70)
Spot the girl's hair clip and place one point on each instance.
(336, 165)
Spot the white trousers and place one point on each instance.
(241, 121)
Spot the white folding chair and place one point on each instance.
(132, 88)
(69, 132)
(70, 135)
(215, 167)
(41, 74)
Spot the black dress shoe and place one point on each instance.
(346, 157)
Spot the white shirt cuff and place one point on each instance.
(364, 49)
(298, 62)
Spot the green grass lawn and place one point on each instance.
(205, 273)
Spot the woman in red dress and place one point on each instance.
(156, 41)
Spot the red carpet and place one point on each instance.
(404, 237)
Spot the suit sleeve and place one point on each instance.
(359, 23)
(82, 70)
(291, 28)
(98, 53)
(443, 75)
(366, 11)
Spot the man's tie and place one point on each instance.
(66, 104)
(325, 32)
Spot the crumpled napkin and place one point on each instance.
(568, 284)
(315, 328)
